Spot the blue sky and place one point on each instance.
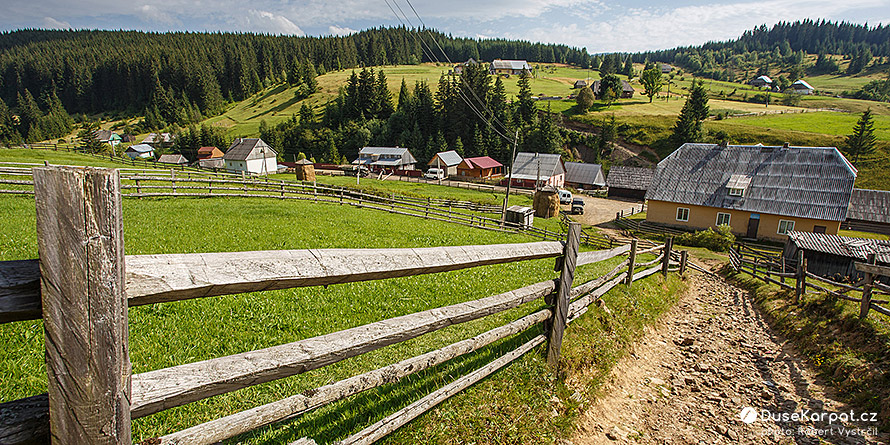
(598, 25)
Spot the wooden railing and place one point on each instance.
(591, 239)
(637, 226)
(83, 283)
(782, 272)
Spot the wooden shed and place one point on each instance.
(305, 170)
(833, 256)
(869, 211)
(629, 182)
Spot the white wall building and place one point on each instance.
(251, 155)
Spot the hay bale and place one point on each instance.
(546, 202)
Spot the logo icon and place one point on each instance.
(748, 415)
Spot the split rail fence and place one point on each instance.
(83, 283)
(794, 276)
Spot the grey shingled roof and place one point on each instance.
(844, 246)
(804, 182)
(172, 159)
(526, 166)
(583, 173)
(245, 149)
(632, 178)
(449, 158)
(870, 205)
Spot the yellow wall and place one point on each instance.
(701, 217)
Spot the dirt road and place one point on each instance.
(600, 210)
(689, 379)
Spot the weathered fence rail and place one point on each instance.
(83, 283)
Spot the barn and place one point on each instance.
(251, 155)
(174, 159)
(869, 211)
(833, 256)
(628, 182)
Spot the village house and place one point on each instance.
(459, 68)
(251, 155)
(627, 91)
(542, 169)
(628, 182)
(482, 167)
(447, 161)
(869, 211)
(579, 84)
(175, 159)
(163, 139)
(584, 176)
(210, 153)
(801, 87)
(140, 151)
(760, 192)
(666, 68)
(761, 81)
(509, 67)
(379, 158)
(107, 137)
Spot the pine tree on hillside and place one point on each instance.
(526, 107)
(688, 127)
(862, 141)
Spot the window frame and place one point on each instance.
(787, 229)
(728, 219)
(678, 214)
(736, 192)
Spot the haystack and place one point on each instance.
(546, 202)
(305, 170)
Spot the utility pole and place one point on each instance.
(509, 180)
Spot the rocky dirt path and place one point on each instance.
(689, 378)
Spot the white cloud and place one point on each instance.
(270, 23)
(340, 31)
(157, 15)
(51, 23)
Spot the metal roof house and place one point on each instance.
(801, 87)
(531, 169)
(833, 255)
(482, 167)
(176, 159)
(155, 138)
(628, 182)
(579, 84)
(140, 151)
(378, 158)
(514, 67)
(869, 211)
(107, 137)
(761, 81)
(760, 192)
(447, 161)
(251, 155)
(583, 175)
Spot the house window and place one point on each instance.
(736, 192)
(682, 214)
(785, 226)
(819, 229)
(722, 219)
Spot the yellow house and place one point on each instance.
(760, 192)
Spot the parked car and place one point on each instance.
(434, 173)
(577, 206)
(565, 197)
(353, 170)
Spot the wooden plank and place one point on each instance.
(158, 278)
(561, 303)
(873, 269)
(81, 245)
(399, 418)
(239, 423)
(601, 255)
(593, 284)
(19, 290)
(162, 389)
(25, 421)
(880, 309)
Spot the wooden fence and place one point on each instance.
(794, 276)
(83, 283)
(637, 226)
(138, 183)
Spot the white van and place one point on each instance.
(565, 197)
(434, 173)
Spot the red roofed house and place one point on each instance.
(482, 167)
(209, 153)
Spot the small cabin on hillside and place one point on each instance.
(107, 137)
(801, 87)
(579, 84)
(538, 169)
(585, 176)
(482, 167)
(760, 192)
(761, 81)
(140, 151)
(162, 139)
(834, 256)
(210, 153)
(509, 67)
(628, 182)
(447, 161)
(627, 91)
(174, 159)
(379, 158)
(251, 155)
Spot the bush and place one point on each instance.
(719, 241)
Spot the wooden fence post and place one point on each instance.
(173, 179)
(684, 256)
(561, 303)
(801, 276)
(866, 289)
(631, 259)
(666, 261)
(81, 249)
(782, 278)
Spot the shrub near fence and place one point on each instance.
(83, 283)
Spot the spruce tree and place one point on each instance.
(862, 141)
(526, 107)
